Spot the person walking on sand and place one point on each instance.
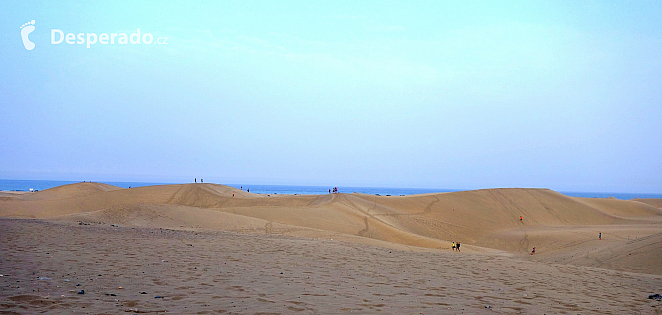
(457, 245)
(533, 252)
(195, 180)
(600, 236)
(520, 218)
(453, 246)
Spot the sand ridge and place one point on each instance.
(213, 249)
(70, 191)
(562, 228)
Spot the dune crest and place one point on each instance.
(71, 191)
(562, 228)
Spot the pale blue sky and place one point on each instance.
(441, 94)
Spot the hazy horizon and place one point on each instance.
(306, 189)
(560, 95)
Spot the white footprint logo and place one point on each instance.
(26, 29)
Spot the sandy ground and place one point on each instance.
(45, 264)
(196, 249)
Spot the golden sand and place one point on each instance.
(205, 251)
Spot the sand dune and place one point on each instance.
(653, 202)
(560, 227)
(204, 250)
(70, 191)
(125, 270)
(624, 208)
(12, 195)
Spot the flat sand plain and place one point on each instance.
(197, 249)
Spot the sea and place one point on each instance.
(27, 185)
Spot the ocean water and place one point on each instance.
(321, 190)
(26, 185)
(622, 196)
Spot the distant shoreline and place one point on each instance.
(13, 185)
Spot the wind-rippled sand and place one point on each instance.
(202, 251)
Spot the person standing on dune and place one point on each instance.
(453, 246)
(458, 246)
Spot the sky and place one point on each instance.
(429, 94)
